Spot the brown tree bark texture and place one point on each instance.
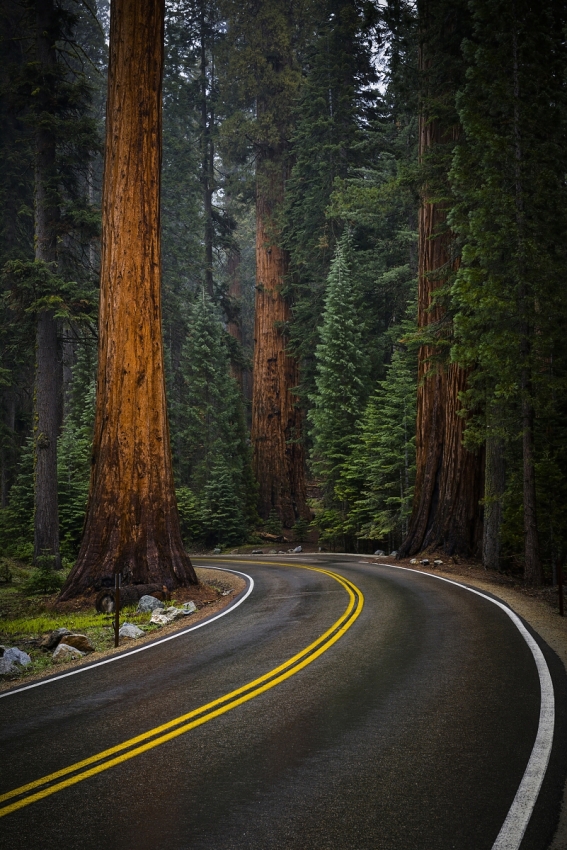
(449, 481)
(278, 456)
(47, 389)
(132, 523)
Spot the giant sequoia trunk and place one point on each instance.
(276, 422)
(47, 390)
(132, 525)
(449, 480)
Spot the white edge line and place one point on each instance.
(520, 812)
(147, 645)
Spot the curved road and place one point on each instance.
(407, 725)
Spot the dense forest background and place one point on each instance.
(364, 221)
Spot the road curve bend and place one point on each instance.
(343, 705)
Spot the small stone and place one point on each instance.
(51, 640)
(297, 549)
(281, 551)
(272, 551)
(414, 561)
(379, 552)
(393, 554)
(438, 563)
(11, 658)
(217, 551)
(130, 631)
(257, 551)
(79, 642)
(149, 603)
(16, 656)
(66, 653)
(226, 592)
(190, 607)
(425, 562)
(167, 616)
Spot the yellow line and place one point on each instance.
(232, 700)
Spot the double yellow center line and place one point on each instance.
(74, 773)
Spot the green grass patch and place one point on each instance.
(76, 622)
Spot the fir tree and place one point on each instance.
(212, 439)
(340, 371)
(378, 479)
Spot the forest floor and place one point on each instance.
(25, 619)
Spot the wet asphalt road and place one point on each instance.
(412, 732)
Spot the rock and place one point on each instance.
(16, 656)
(190, 607)
(414, 561)
(393, 554)
(149, 603)
(79, 642)
(425, 562)
(257, 551)
(217, 551)
(167, 616)
(281, 551)
(130, 631)
(271, 538)
(438, 563)
(297, 549)
(11, 658)
(379, 552)
(51, 640)
(272, 551)
(66, 653)
(7, 666)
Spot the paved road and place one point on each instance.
(411, 731)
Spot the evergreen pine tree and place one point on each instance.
(212, 439)
(378, 479)
(340, 372)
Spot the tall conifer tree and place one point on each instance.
(448, 484)
(132, 524)
(263, 74)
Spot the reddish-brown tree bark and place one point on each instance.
(132, 525)
(449, 481)
(278, 456)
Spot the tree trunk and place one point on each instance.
(234, 325)
(278, 456)
(47, 389)
(132, 524)
(532, 563)
(494, 483)
(448, 488)
(207, 158)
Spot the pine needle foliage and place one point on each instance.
(341, 368)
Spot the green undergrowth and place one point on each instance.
(26, 615)
(82, 622)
